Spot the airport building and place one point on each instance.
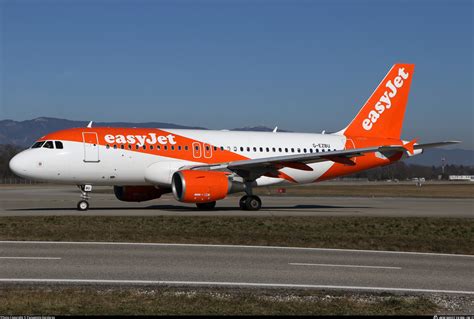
(461, 178)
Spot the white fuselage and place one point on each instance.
(80, 163)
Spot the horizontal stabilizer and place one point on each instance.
(437, 144)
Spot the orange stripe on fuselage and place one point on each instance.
(148, 135)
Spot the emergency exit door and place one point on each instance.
(91, 147)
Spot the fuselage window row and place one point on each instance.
(59, 145)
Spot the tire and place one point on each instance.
(83, 205)
(206, 206)
(242, 202)
(253, 203)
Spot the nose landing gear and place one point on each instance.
(83, 204)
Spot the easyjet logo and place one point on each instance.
(385, 101)
(150, 138)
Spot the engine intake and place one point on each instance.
(193, 186)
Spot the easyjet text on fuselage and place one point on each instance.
(150, 138)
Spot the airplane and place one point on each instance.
(204, 166)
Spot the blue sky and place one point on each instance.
(302, 65)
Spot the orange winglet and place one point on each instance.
(410, 146)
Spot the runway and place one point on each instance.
(242, 266)
(47, 200)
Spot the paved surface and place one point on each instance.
(106, 263)
(46, 200)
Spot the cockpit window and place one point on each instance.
(37, 145)
(59, 145)
(48, 144)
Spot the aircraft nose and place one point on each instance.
(19, 164)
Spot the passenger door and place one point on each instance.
(91, 147)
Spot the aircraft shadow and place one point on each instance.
(187, 208)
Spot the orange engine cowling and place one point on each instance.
(191, 186)
(138, 193)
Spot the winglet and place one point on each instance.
(90, 124)
(275, 129)
(410, 146)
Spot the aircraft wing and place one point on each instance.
(253, 168)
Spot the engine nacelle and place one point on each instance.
(194, 186)
(138, 193)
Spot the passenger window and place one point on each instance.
(107, 146)
(286, 150)
(311, 150)
(215, 148)
(186, 148)
(268, 150)
(304, 150)
(122, 146)
(299, 150)
(292, 150)
(151, 147)
(136, 146)
(179, 148)
(129, 146)
(279, 149)
(235, 148)
(222, 148)
(48, 144)
(115, 147)
(158, 147)
(59, 145)
(172, 147)
(241, 149)
(274, 150)
(254, 149)
(165, 147)
(248, 149)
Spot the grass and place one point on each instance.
(429, 190)
(117, 300)
(444, 235)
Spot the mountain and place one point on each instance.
(24, 133)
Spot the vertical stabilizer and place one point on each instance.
(382, 115)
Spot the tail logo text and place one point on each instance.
(385, 101)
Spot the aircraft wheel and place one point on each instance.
(242, 202)
(83, 205)
(253, 203)
(206, 206)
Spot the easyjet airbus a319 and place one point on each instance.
(204, 166)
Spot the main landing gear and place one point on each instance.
(250, 202)
(83, 204)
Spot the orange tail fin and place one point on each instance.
(382, 115)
